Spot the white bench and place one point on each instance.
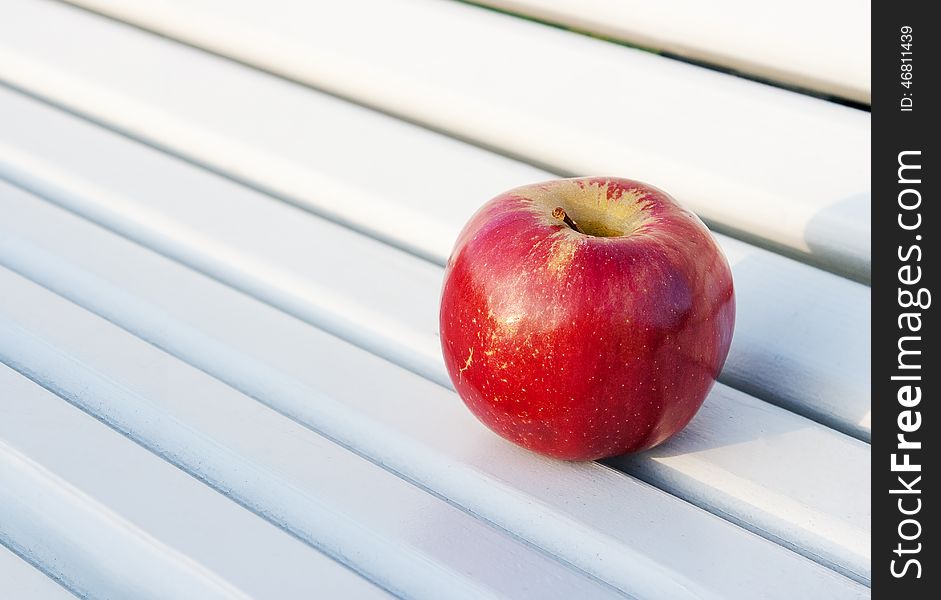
(820, 46)
(240, 274)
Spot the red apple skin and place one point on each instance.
(581, 347)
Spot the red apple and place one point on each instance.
(585, 318)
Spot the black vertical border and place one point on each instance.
(894, 131)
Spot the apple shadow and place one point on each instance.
(800, 353)
(728, 418)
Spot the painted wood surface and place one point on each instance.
(820, 46)
(802, 338)
(728, 460)
(218, 322)
(408, 541)
(112, 520)
(20, 580)
(748, 158)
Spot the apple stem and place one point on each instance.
(560, 214)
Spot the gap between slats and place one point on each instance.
(15, 568)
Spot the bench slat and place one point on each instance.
(790, 171)
(406, 540)
(729, 463)
(802, 337)
(821, 46)
(791, 317)
(638, 530)
(91, 507)
(709, 452)
(20, 580)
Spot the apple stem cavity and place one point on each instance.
(560, 214)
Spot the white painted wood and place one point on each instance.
(788, 170)
(684, 469)
(821, 46)
(397, 181)
(406, 540)
(632, 533)
(20, 580)
(729, 460)
(112, 520)
(802, 339)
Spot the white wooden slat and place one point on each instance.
(728, 461)
(406, 540)
(112, 520)
(301, 289)
(656, 562)
(802, 337)
(788, 170)
(821, 46)
(20, 580)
